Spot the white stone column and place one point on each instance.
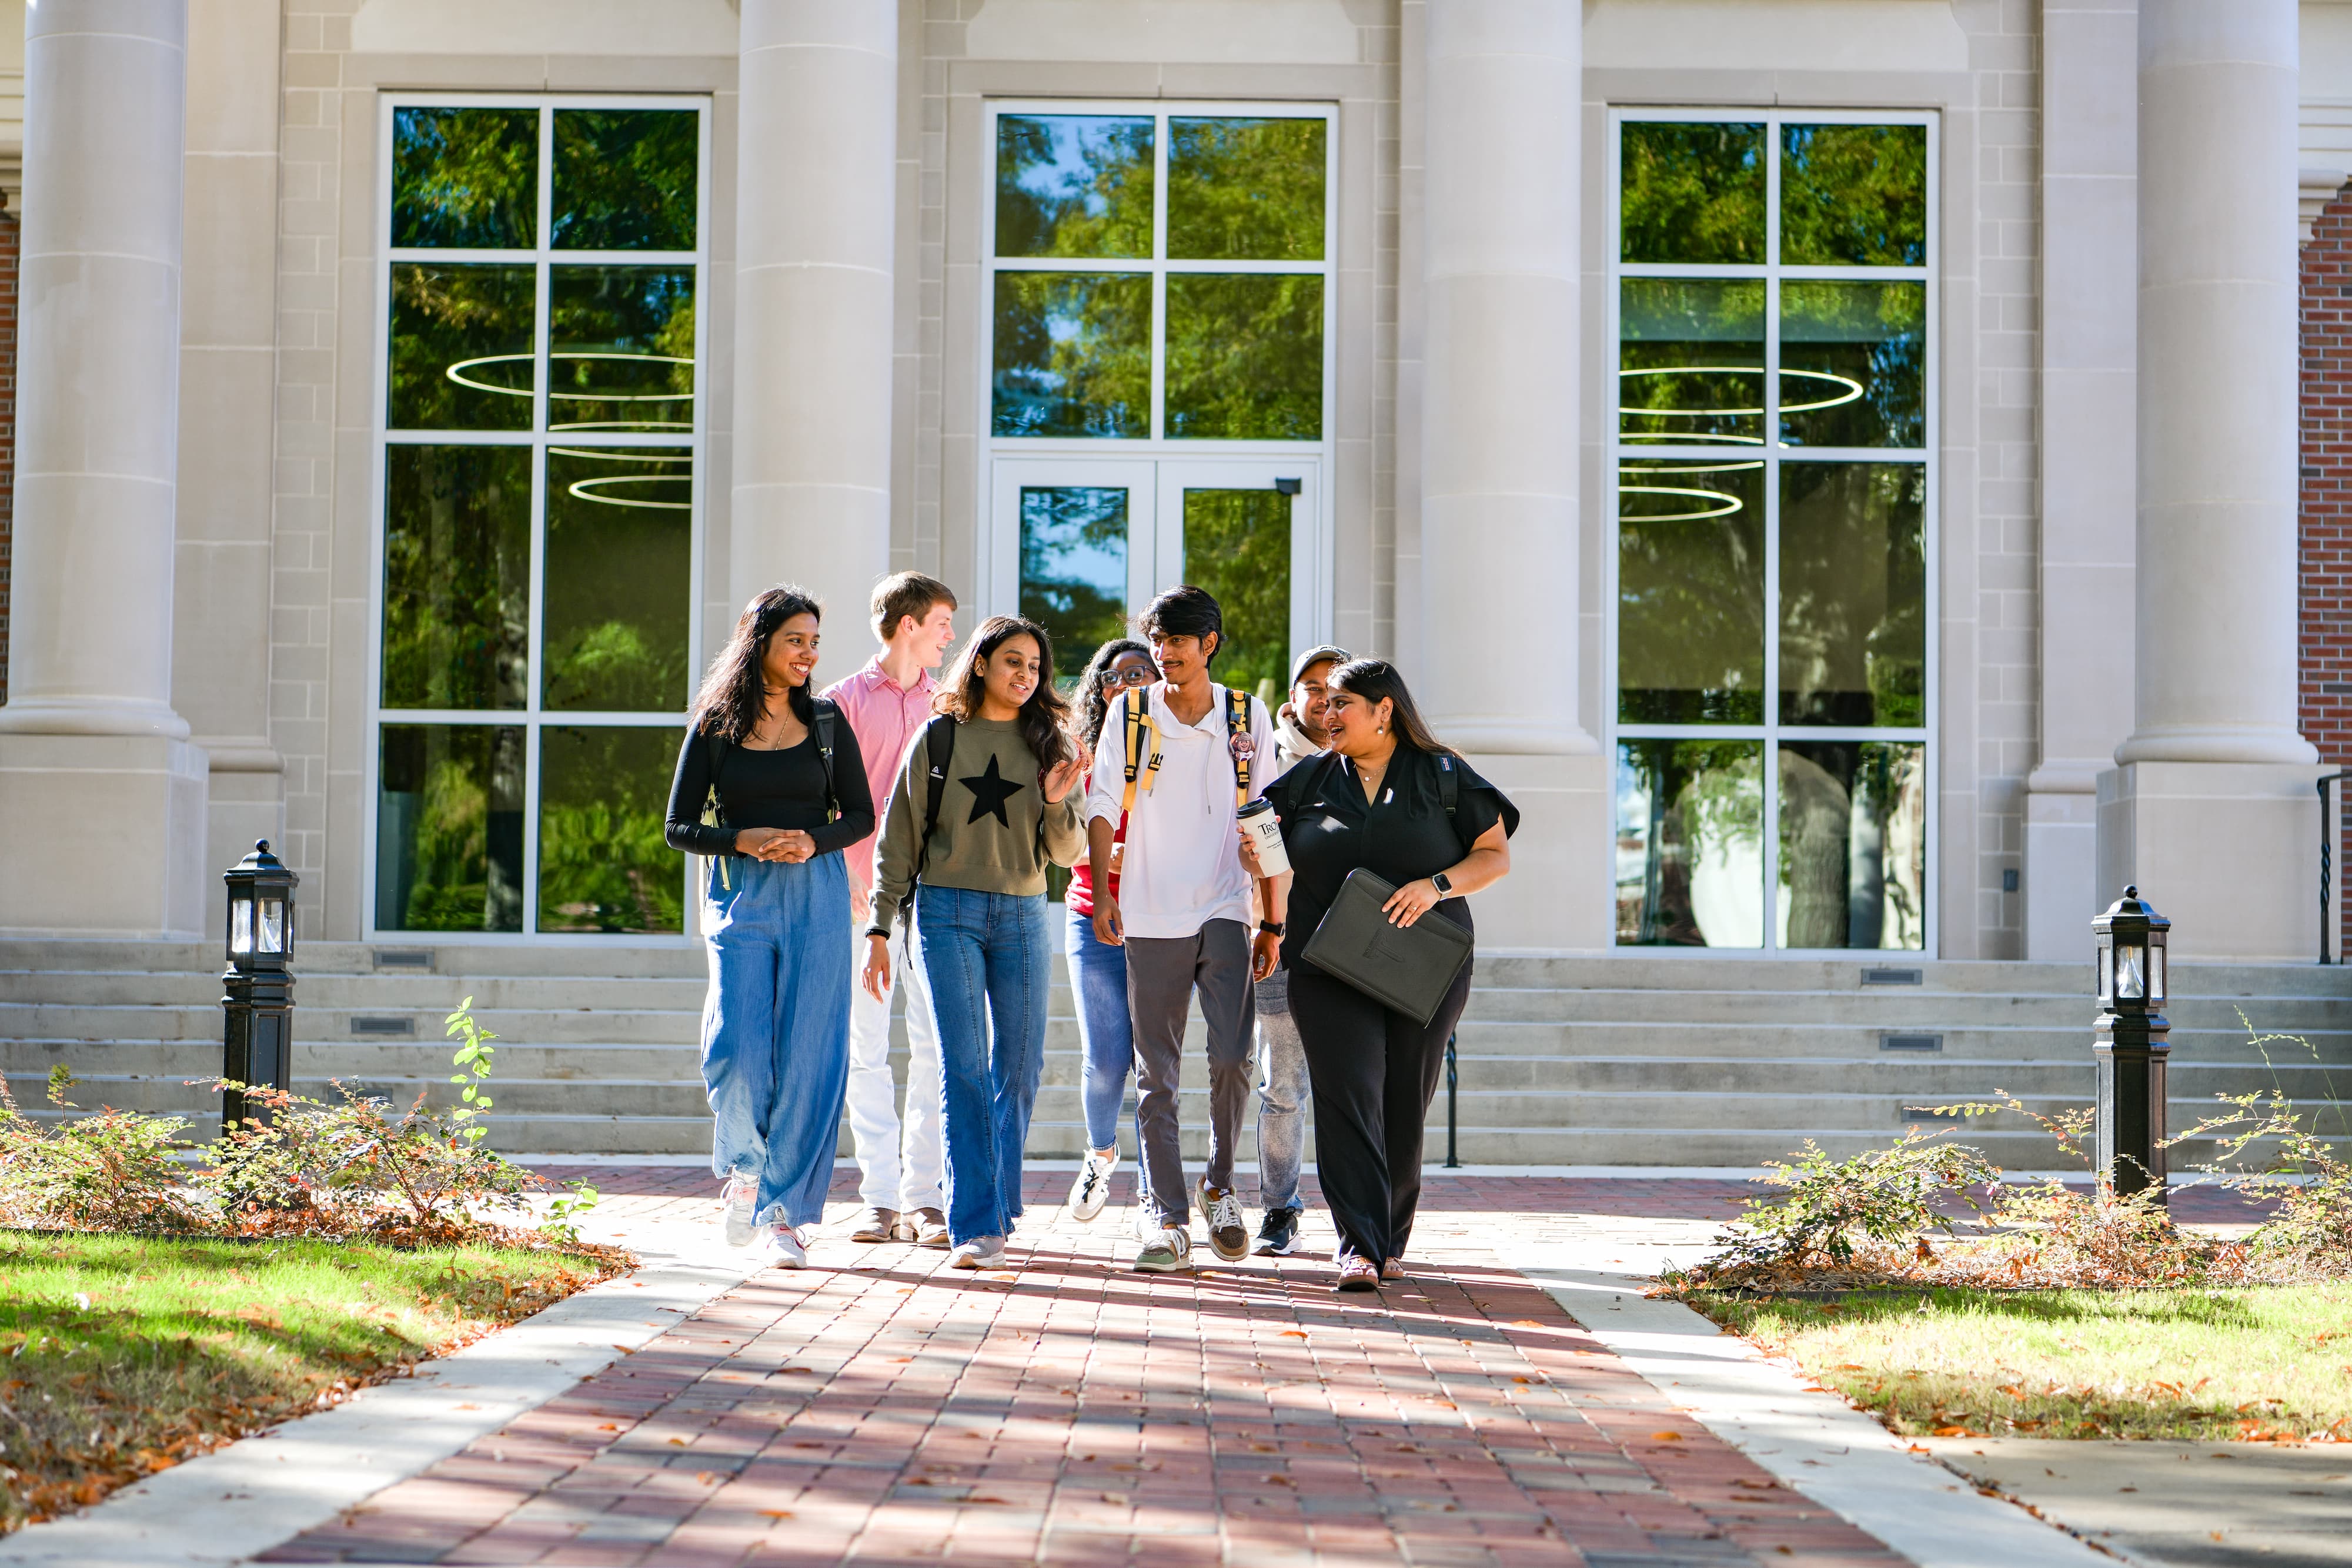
(1500, 432)
(102, 795)
(1501, 437)
(2211, 809)
(2090, 92)
(814, 206)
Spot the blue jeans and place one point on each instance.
(985, 957)
(1281, 1094)
(1098, 978)
(775, 1027)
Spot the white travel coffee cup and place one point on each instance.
(1258, 822)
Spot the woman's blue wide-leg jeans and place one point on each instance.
(775, 1027)
(986, 957)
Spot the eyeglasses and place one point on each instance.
(1117, 677)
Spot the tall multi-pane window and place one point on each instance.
(1774, 485)
(1157, 290)
(540, 434)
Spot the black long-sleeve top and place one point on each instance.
(769, 790)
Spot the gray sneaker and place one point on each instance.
(1221, 1212)
(736, 1204)
(981, 1252)
(1166, 1252)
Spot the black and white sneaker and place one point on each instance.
(1277, 1235)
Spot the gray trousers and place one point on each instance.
(1281, 1093)
(1163, 972)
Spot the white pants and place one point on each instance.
(899, 1166)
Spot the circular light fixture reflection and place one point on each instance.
(452, 373)
(1853, 390)
(1730, 504)
(585, 489)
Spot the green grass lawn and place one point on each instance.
(2200, 1364)
(120, 1354)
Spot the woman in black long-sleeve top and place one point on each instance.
(1376, 799)
(783, 771)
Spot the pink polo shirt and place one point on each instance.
(886, 718)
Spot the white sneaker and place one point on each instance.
(780, 1247)
(740, 1198)
(981, 1252)
(1092, 1189)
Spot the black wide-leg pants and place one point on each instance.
(1374, 1071)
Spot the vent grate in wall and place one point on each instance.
(403, 958)
(383, 1024)
(1886, 976)
(1910, 1042)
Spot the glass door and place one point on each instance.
(1083, 545)
(1245, 531)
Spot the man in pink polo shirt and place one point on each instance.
(901, 1169)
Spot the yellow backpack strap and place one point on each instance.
(1238, 741)
(1142, 748)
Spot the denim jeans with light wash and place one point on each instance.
(985, 957)
(1281, 1094)
(1105, 1031)
(775, 1027)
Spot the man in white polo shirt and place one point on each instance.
(1197, 751)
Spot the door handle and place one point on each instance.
(1286, 486)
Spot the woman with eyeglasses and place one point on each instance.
(1098, 969)
(770, 787)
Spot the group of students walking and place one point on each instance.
(896, 829)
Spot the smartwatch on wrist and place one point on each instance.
(1444, 886)
(1271, 927)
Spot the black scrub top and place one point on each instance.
(1328, 830)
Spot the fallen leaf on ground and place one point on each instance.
(1666, 1436)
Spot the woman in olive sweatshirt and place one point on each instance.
(997, 809)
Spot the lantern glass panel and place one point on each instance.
(2156, 975)
(2131, 971)
(269, 927)
(2106, 974)
(240, 923)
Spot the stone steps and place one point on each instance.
(1688, 1060)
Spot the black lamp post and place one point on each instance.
(257, 1033)
(2128, 1044)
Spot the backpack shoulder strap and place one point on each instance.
(1238, 741)
(938, 749)
(1449, 792)
(1142, 738)
(829, 720)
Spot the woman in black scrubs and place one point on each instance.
(1375, 799)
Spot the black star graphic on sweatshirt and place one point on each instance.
(989, 790)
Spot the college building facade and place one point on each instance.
(1855, 470)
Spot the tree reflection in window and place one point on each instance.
(618, 552)
(1237, 546)
(1073, 568)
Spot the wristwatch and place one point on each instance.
(1444, 886)
(1271, 927)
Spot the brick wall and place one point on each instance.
(2327, 564)
(2326, 574)
(7, 426)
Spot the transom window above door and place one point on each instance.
(1774, 489)
(1160, 273)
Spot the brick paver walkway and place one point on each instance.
(879, 1409)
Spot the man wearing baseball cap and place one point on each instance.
(1281, 1060)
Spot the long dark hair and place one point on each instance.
(1373, 679)
(732, 694)
(1094, 706)
(1043, 716)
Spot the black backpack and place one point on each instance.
(939, 748)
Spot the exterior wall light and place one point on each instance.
(2129, 1045)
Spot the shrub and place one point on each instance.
(110, 1170)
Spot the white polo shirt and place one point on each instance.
(1183, 864)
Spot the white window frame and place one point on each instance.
(1771, 732)
(532, 718)
(999, 538)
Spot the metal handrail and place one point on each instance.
(2326, 858)
(1452, 1088)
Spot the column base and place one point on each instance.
(2227, 851)
(1557, 894)
(2061, 880)
(105, 837)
